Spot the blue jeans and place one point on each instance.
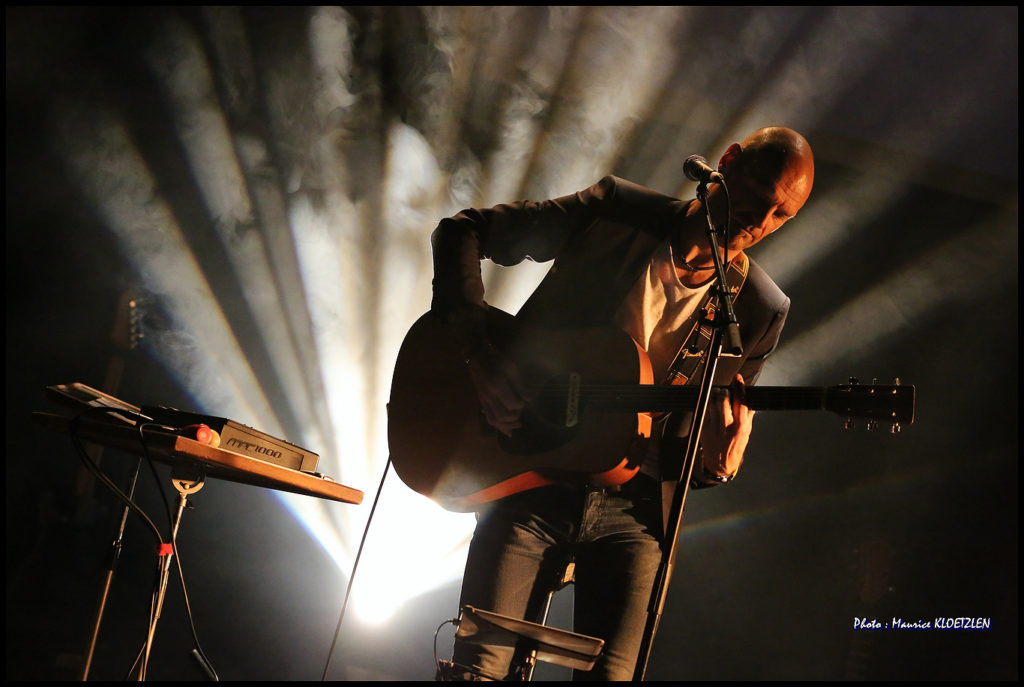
(522, 544)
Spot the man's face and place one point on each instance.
(765, 192)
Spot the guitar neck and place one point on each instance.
(644, 398)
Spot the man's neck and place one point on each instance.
(691, 250)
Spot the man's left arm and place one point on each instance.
(728, 423)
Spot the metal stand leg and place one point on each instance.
(527, 662)
(185, 486)
(115, 555)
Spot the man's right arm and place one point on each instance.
(506, 234)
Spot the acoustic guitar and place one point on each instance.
(589, 415)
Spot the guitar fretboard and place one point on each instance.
(643, 398)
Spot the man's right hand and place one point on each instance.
(500, 388)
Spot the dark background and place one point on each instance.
(823, 527)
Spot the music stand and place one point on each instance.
(536, 642)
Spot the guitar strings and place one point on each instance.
(657, 397)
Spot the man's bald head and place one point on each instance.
(773, 152)
(769, 176)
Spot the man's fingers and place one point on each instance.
(514, 383)
(502, 419)
(500, 390)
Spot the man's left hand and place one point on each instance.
(726, 432)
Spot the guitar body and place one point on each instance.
(442, 447)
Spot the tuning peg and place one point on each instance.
(896, 382)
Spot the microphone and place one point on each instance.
(697, 169)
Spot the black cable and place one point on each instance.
(152, 470)
(355, 566)
(453, 621)
(101, 476)
(728, 215)
(138, 658)
(200, 656)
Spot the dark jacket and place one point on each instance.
(600, 239)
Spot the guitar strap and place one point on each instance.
(695, 346)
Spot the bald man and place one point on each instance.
(634, 260)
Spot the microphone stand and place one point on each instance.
(723, 326)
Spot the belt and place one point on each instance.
(640, 482)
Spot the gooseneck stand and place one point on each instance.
(724, 326)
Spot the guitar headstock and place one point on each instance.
(127, 332)
(892, 403)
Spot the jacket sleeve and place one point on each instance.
(765, 345)
(506, 234)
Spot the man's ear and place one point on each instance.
(730, 155)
